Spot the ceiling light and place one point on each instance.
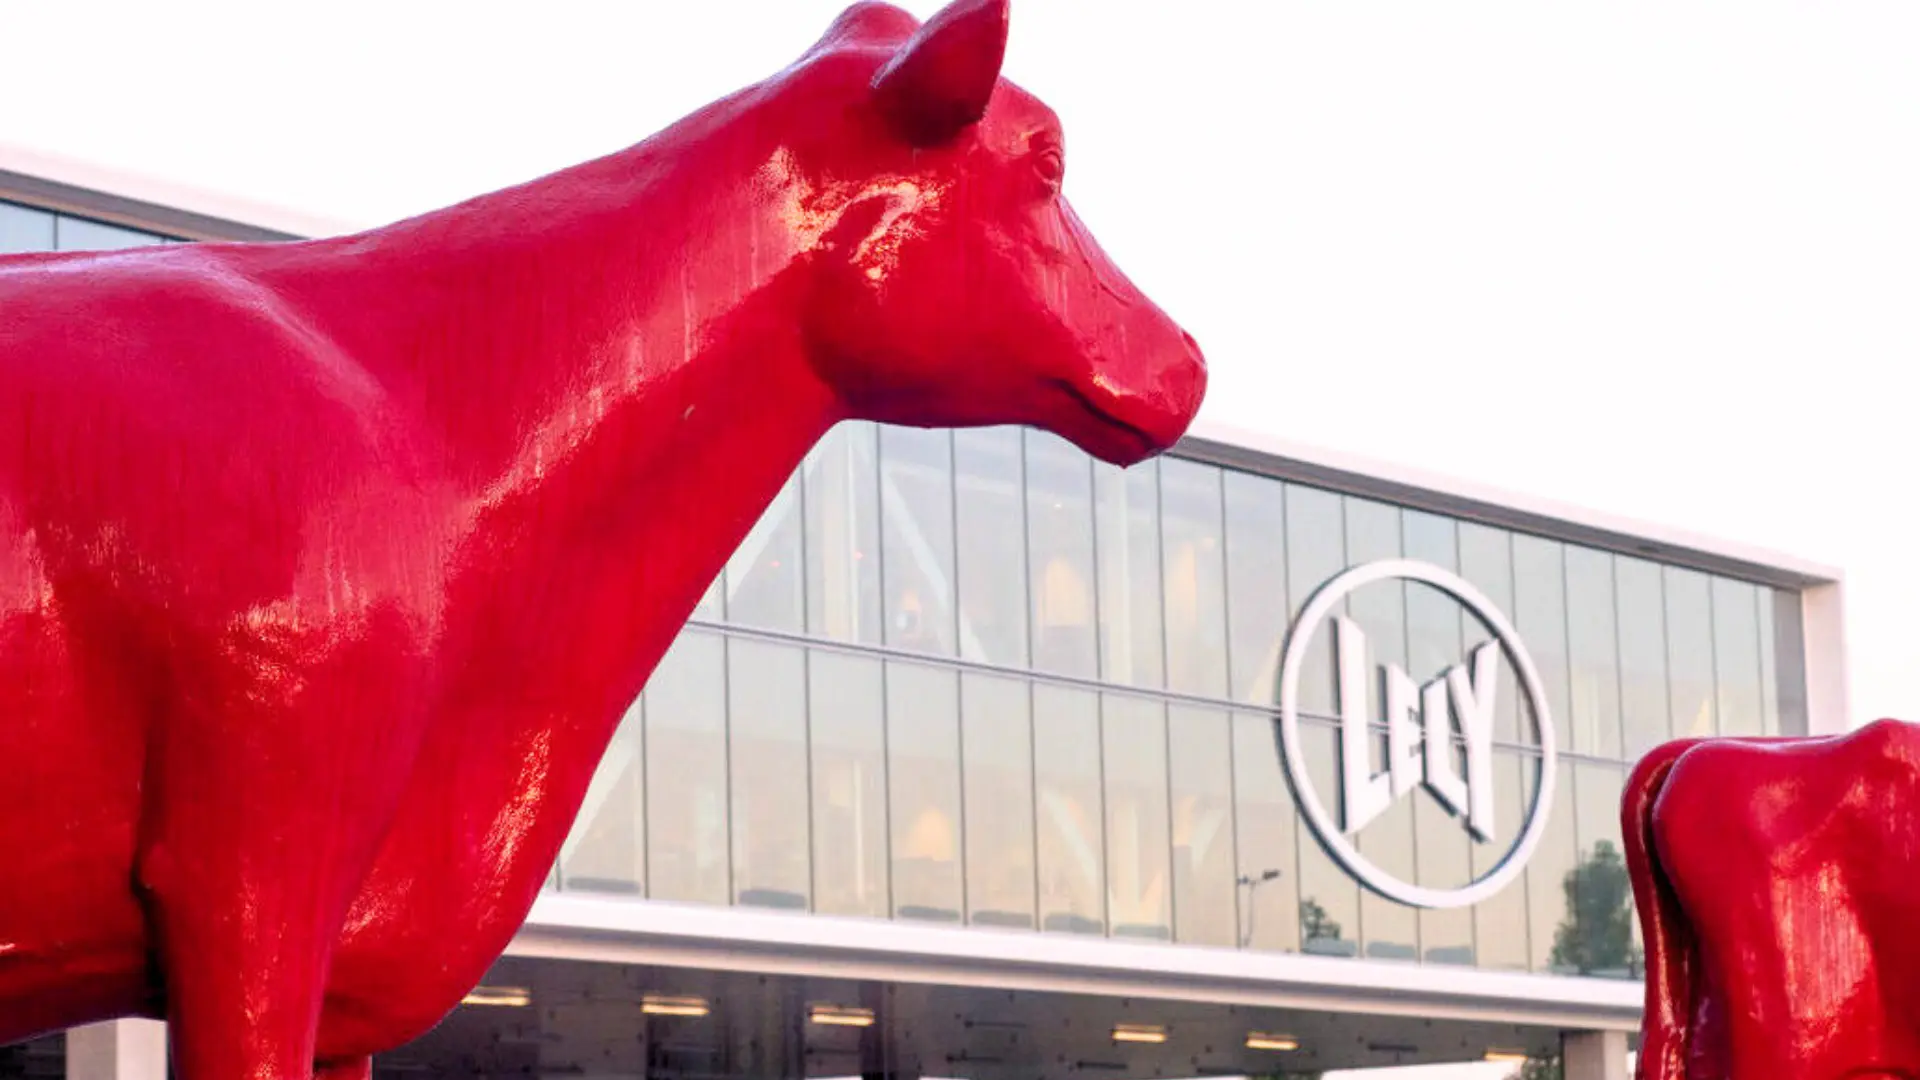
(498, 995)
(1260, 1040)
(1508, 1056)
(1139, 1033)
(663, 1005)
(840, 1016)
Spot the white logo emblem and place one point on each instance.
(1420, 725)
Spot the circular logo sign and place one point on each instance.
(1431, 730)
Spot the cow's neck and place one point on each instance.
(614, 357)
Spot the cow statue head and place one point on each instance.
(953, 285)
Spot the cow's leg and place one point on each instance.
(270, 785)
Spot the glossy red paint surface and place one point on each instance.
(327, 568)
(1775, 885)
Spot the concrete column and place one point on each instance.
(1823, 628)
(118, 1050)
(1594, 1055)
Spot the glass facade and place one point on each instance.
(26, 228)
(977, 678)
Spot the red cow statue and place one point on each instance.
(1775, 883)
(328, 568)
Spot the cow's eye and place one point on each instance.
(1051, 164)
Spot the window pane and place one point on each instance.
(1201, 765)
(76, 234)
(767, 746)
(1066, 756)
(1790, 661)
(843, 535)
(916, 517)
(23, 229)
(1129, 552)
(1643, 655)
(1266, 834)
(605, 852)
(1134, 732)
(766, 577)
(1599, 940)
(992, 546)
(1549, 913)
(1736, 656)
(1486, 561)
(849, 784)
(686, 725)
(1329, 897)
(1433, 646)
(1689, 652)
(1500, 921)
(1257, 583)
(997, 742)
(923, 759)
(1374, 533)
(1769, 675)
(1195, 578)
(1592, 644)
(1060, 529)
(1316, 551)
(1540, 616)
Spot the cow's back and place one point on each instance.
(1791, 860)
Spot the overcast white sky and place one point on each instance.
(1659, 259)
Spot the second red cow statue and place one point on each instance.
(328, 568)
(1775, 880)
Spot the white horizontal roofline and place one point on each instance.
(1410, 486)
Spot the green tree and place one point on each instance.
(1314, 923)
(1597, 935)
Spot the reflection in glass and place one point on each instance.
(1267, 832)
(1769, 675)
(848, 724)
(1434, 624)
(606, 850)
(1329, 897)
(1553, 860)
(996, 743)
(766, 577)
(1540, 617)
(1500, 921)
(767, 749)
(1736, 656)
(1201, 769)
(1598, 940)
(24, 229)
(686, 726)
(1066, 757)
(1592, 644)
(1486, 562)
(1644, 702)
(1316, 552)
(1689, 652)
(1060, 531)
(1195, 578)
(916, 519)
(1134, 734)
(923, 780)
(843, 535)
(1127, 506)
(1257, 582)
(991, 549)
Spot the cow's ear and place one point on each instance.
(938, 83)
